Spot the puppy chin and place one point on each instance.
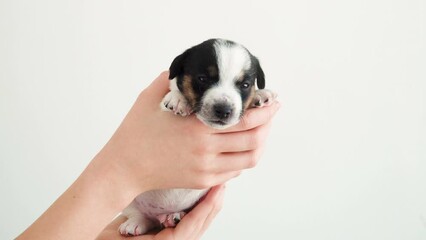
(217, 124)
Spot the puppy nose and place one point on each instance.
(222, 111)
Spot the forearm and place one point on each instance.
(86, 207)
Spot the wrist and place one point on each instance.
(112, 181)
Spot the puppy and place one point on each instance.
(216, 81)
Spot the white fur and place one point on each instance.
(224, 92)
(231, 60)
(147, 208)
(174, 101)
(173, 85)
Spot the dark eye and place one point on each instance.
(245, 85)
(203, 78)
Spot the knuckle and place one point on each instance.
(256, 138)
(201, 150)
(203, 146)
(253, 159)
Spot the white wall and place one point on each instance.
(346, 158)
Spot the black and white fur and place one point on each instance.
(216, 81)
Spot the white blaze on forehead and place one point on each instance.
(232, 59)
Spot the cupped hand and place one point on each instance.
(192, 226)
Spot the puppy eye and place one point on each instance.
(203, 78)
(245, 85)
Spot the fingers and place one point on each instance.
(254, 117)
(241, 141)
(213, 213)
(196, 222)
(232, 162)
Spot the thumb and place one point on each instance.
(159, 87)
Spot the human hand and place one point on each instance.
(153, 149)
(192, 226)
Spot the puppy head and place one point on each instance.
(218, 77)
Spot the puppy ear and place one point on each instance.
(177, 65)
(260, 76)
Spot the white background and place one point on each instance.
(346, 156)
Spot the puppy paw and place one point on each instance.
(263, 97)
(170, 220)
(174, 101)
(134, 226)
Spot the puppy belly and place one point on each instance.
(156, 202)
(158, 208)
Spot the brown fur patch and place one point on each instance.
(188, 91)
(249, 100)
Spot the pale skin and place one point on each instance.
(153, 149)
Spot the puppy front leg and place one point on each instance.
(175, 101)
(263, 97)
(137, 223)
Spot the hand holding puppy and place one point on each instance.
(151, 150)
